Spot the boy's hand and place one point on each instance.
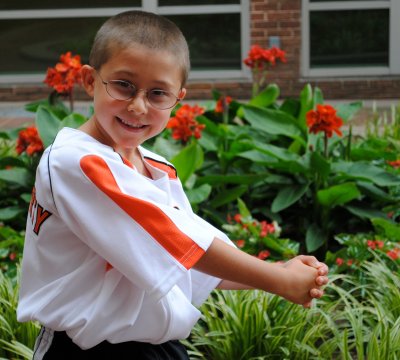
(320, 280)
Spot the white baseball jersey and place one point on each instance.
(108, 252)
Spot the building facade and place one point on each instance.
(348, 48)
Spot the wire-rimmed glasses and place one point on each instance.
(124, 90)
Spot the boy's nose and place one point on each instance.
(139, 102)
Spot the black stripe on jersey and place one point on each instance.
(164, 163)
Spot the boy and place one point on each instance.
(114, 256)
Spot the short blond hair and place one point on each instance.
(144, 28)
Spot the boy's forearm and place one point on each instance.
(241, 270)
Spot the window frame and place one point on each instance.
(152, 6)
(394, 47)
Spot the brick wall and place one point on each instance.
(283, 18)
(268, 18)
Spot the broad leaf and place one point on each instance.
(306, 104)
(266, 97)
(73, 120)
(17, 176)
(199, 194)
(243, 210)
(315, 238)
(274, 122)
(9, 213)
(47, 124)
(347, 111)
(364, 212)
(188, 161)
(228, 196)
(387, 228)
(338, 194)
(288, 196)
(362, 170)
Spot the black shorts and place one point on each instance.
(56, 345)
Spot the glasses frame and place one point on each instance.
(146, 91)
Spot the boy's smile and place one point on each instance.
(126, 124)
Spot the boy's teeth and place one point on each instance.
(131, 125)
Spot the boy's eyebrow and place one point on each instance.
(132, 74)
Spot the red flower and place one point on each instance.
(324, 119)
(350, 262)
(12, 256)
(184, 124)
(263, 254)
(222, 103)
(266, 228)
(240, 243)
(395, 163)
(371, 244)
(259, 58)
(339, 261)
(394, 254)
(29, 141)
(65, 74)
(238, 218)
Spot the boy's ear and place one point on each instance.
(88, 80)
(182, 93)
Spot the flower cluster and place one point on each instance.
(65, 74)
(222, 104)
(184, 124)
(259, 238)
(29, 141)
(324, 119)
(259, 58)
(360, 248)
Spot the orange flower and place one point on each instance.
(259, 58)
(184, 124)
(395, 163)
(238, 218)
(222, 103)
(65, 74)
(324, 119)
(29, 141)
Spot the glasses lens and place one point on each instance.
(121, 90)
(161, 99)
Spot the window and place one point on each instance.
(34, 34)
(350, 37)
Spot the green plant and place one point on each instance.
(16, 339)
(259, 238)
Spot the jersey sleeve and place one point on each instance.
(127, 220)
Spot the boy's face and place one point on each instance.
(125, 124)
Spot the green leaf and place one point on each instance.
(243, 210)
(362, 170)
(288, 196)
(188, 161)
(73, 120)
(347, 111)
(306, 104)
(318, 98)
(338, 194)
(266, 97)
(320, 166)
(273, 122)
(10, 212)
(228, 195)
(17, 176)
(198, 194)
(315, 238)
(166, 148)
(364, 212)
(387, 228)
(231, 179)
(47, 124)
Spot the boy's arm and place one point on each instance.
(293, 281)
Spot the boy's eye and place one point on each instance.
(123, 84)
(158, 93)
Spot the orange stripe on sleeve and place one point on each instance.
(149, 216)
